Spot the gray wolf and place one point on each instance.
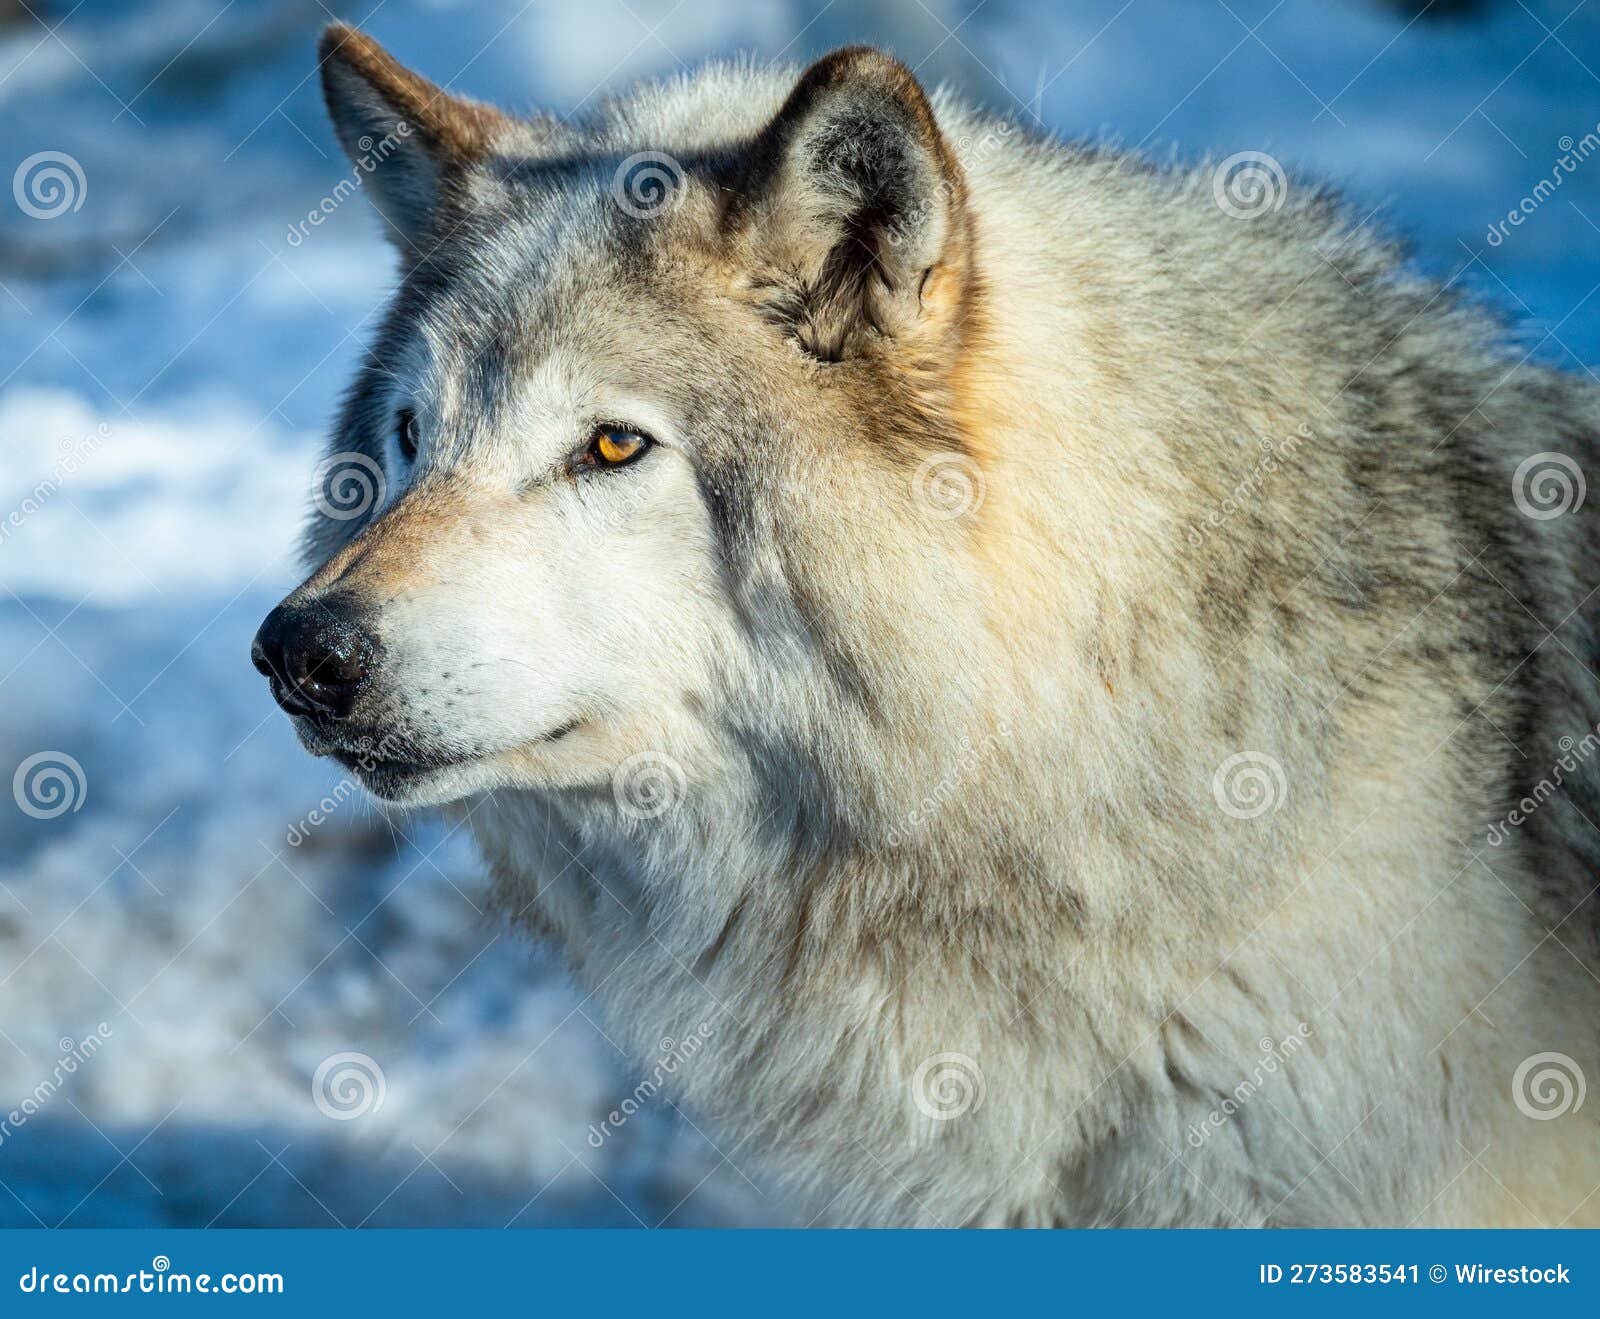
(1072, 678)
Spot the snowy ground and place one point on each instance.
(167, 358)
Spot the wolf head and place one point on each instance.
(640, 458)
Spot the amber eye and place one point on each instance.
(405, 434)
(614, 447)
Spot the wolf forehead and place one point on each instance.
(545, 301)
(830, 193)
(772, 256)
(515, 294)
(603, 252)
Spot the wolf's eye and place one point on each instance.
(405, 434)
(613, 447)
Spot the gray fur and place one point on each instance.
(951, 787)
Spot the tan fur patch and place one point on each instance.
(456, 128)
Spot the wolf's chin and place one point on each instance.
(423, 786)
(427, 780)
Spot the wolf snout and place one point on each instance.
(316, 655)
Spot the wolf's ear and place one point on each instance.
(855, 204)
(401, 131)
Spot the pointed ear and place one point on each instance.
(855, 207)
(404, 134)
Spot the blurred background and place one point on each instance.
(232, 992)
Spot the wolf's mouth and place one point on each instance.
(386, 764)
(368, 763)
(393, 778)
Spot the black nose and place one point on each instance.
(316, 656)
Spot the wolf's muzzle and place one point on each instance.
(315, 655)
